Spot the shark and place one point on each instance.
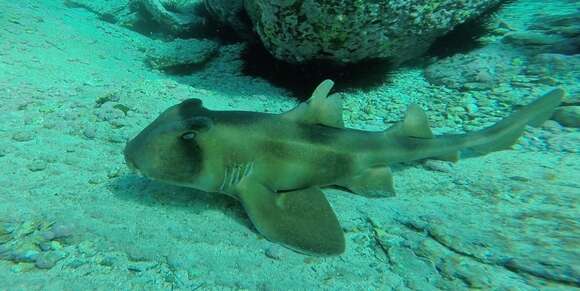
(276, 164)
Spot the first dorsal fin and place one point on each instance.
(319, 109)
(416, 123)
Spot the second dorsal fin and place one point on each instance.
(320, 108)
(415, 124)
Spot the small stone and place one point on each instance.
(116, 138)
(49, 259)
(25, 256)
(519, 179)
(37, 165)
(76, 263)
(274, 252)
(87, 248)
(55, 245)
(61, 230)
(95, 180)
(49, 124)
(90, 132)
(114, 173)
(552, 126)
(22, 267)
(141, 266)
(22, 136)
(44, 246)
(438, 166)
(526, 38)
(108, 261)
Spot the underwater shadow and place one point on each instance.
(301, 79)
(150, 193)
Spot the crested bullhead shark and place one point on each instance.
(276, 164)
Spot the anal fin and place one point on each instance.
(302, 220)
(373, 182)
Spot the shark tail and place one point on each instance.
(414, 134)
(506, 132)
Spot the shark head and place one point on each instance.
(168, 150)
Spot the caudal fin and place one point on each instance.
(505, 133)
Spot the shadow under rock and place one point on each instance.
(301, 79)
(147, 192)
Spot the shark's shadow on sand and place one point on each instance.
(151, 193)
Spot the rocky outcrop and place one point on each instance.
(298, 31)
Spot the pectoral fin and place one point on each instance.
(301, 220)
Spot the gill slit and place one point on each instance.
(234, 173)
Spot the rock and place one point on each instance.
(351, 31)
(49, 259)
(24, 255)
(87, 249)
(274, 252)
(549, 34)
(230, 13)
(113, 11)
(530, 38)
(37, 165)
(438, 166)
(141, 266)
(176, 16)
(554, 65)
(568, 116)
(564, 24)
(22, 136)
(90, 132)
(485, 68)
(61, 230)
(182, 53)
(420, 271)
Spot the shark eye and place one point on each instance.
(188, 135)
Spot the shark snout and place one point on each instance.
(129, 159)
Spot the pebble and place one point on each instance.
(552, 126)
(87, 248)
(49, 124)
(141, 266)
(37, 165)
(90, 132)
(22, 136)
(22, 267)
(438, 166)
(24, 256)
(108, 261)
(76, 263)
(61, 230)
(49, 259)
(116, 138)
(274, 252)
(527, 38)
